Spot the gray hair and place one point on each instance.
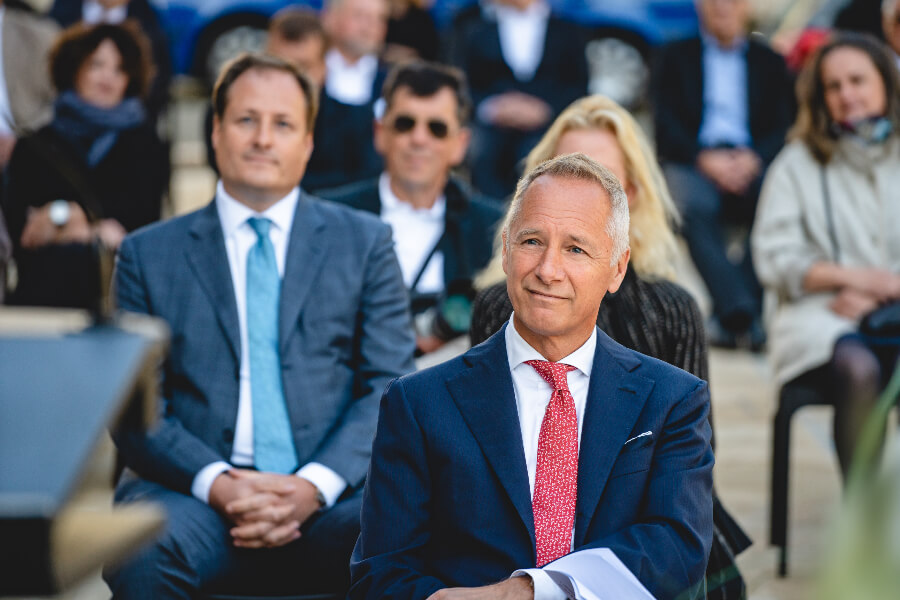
(888, 7)
(579, 166)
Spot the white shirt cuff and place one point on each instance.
(544, 587)
(204, 479)
(327, 481)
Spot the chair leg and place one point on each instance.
(778, 508)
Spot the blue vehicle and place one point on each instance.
(205, 33)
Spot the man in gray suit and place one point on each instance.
(289, 317)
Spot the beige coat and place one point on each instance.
(791, 233)
(26, 42)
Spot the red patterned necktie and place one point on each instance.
(556, 477)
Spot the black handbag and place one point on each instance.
(882, 325)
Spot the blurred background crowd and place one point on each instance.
(761, 139)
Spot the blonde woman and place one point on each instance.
(650, 313)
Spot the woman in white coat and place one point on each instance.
(826, 240)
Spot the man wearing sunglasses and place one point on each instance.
(443, 233)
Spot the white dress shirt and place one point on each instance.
(6, 119)
(93, 12)
(239, 238)
(416, 231)
(522, 35)
(532, 397)
(350, 83)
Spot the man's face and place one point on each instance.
(557, 261)
(357, 27)
(724, 19)
(890, 23)
(420, 138)
(308, 55)
(262, 141)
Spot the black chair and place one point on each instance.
(792, 397)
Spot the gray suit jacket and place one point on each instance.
(344, 329)
(26, 42)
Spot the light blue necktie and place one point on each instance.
(273, 444)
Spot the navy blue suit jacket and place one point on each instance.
(447, 501)
(344, 333)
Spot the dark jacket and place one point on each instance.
(561, 76)
(127, 185)
(677, 91)
(470, 223)
(343, 147)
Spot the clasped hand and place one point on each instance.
(267, 509)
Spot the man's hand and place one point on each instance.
(7, 144)
(514, 588)
(428, 343)
(747, 166)
(40, 231)
(716, 164)
(515, 110)
(732, 170)
(267, 508)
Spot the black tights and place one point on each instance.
(857, 375)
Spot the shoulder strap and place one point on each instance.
(829, 216)
(428, 257)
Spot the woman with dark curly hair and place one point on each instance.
(97, 170)
(826, 240)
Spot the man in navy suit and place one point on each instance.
(288, 318)
(547, 439)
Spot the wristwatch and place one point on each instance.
(60, 212)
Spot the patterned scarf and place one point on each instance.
(93, 129)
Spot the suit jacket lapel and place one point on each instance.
(755, 86)
(208, 259)
(609, 418)
(485, 398)
(694, 76)
(305, 255)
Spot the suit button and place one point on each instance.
(228, 436)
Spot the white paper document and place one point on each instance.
(596, 574)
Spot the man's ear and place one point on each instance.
(462, 145)
(378, 134)
(621, 268)
(214, 136)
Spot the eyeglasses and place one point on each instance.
(405, 123)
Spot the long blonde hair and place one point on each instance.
(652, 241)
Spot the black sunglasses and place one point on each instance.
(405, 123)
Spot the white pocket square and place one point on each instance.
(646, 433)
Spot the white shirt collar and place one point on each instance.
(710, 41)
(536, 10)
(93, 12)
(233, 214)
(518, 350)
(391, 203)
